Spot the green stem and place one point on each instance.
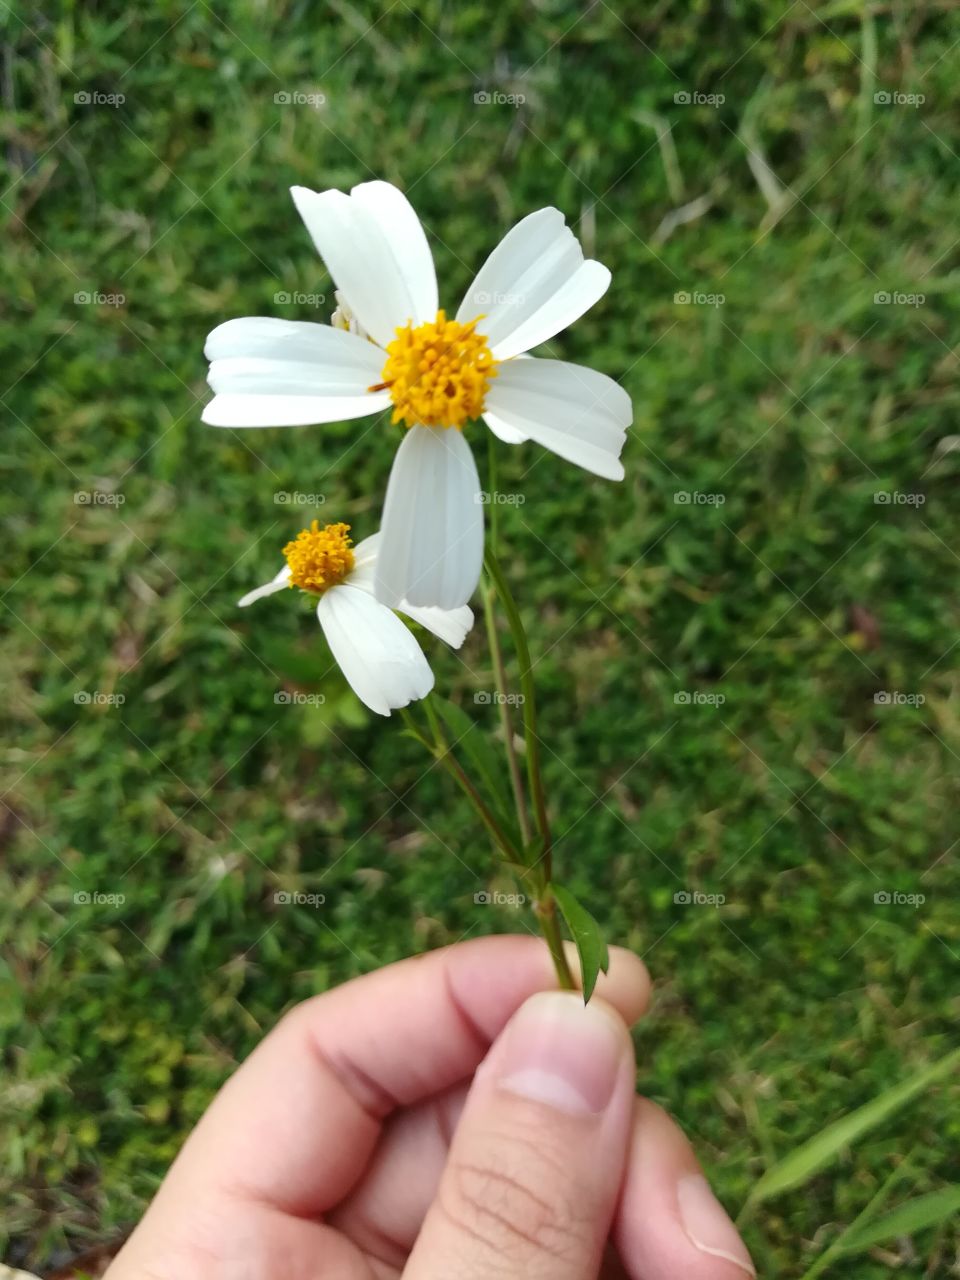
(550, 928)
(534, 776)
(443, 753)
(506, 719)
(546, 907)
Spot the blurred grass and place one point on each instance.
(797, 599)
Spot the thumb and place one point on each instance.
(537, 1161)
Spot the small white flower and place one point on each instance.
(381, 659)
(391, 345)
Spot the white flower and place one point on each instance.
(382, 661)
(392, 346)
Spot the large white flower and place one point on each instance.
(390, 345)
(381, 659)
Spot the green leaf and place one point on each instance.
(907, 1219)
(585, 931)
(806, 1160)
(490, 770)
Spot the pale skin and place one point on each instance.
(440, 1120)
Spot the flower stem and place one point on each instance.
(443, 754)
(534, 777)
(546, 907)
(506, 719)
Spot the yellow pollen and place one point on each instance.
(437, 373)
(319, 558)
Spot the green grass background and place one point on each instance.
(798, 599)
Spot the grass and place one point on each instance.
(796, 599)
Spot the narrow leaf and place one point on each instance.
(468, 739)
(907, 1219)
(591, 947)
(806, 1160)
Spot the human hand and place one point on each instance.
(441, 1120)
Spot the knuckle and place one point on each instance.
(510, 1196)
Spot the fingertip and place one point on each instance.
(626, 985)
(669, 1222)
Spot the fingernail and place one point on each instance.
(707, 1226)
(562, 1053)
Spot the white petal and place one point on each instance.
(380, 658)
(534, 284)
(431, 549)
(503, 430)
(376, 251)
(576, 412)
(364, 563)
(278, 583)
(286, 373)
(449, 625)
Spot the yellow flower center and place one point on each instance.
(319, 558)
(437, 373)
